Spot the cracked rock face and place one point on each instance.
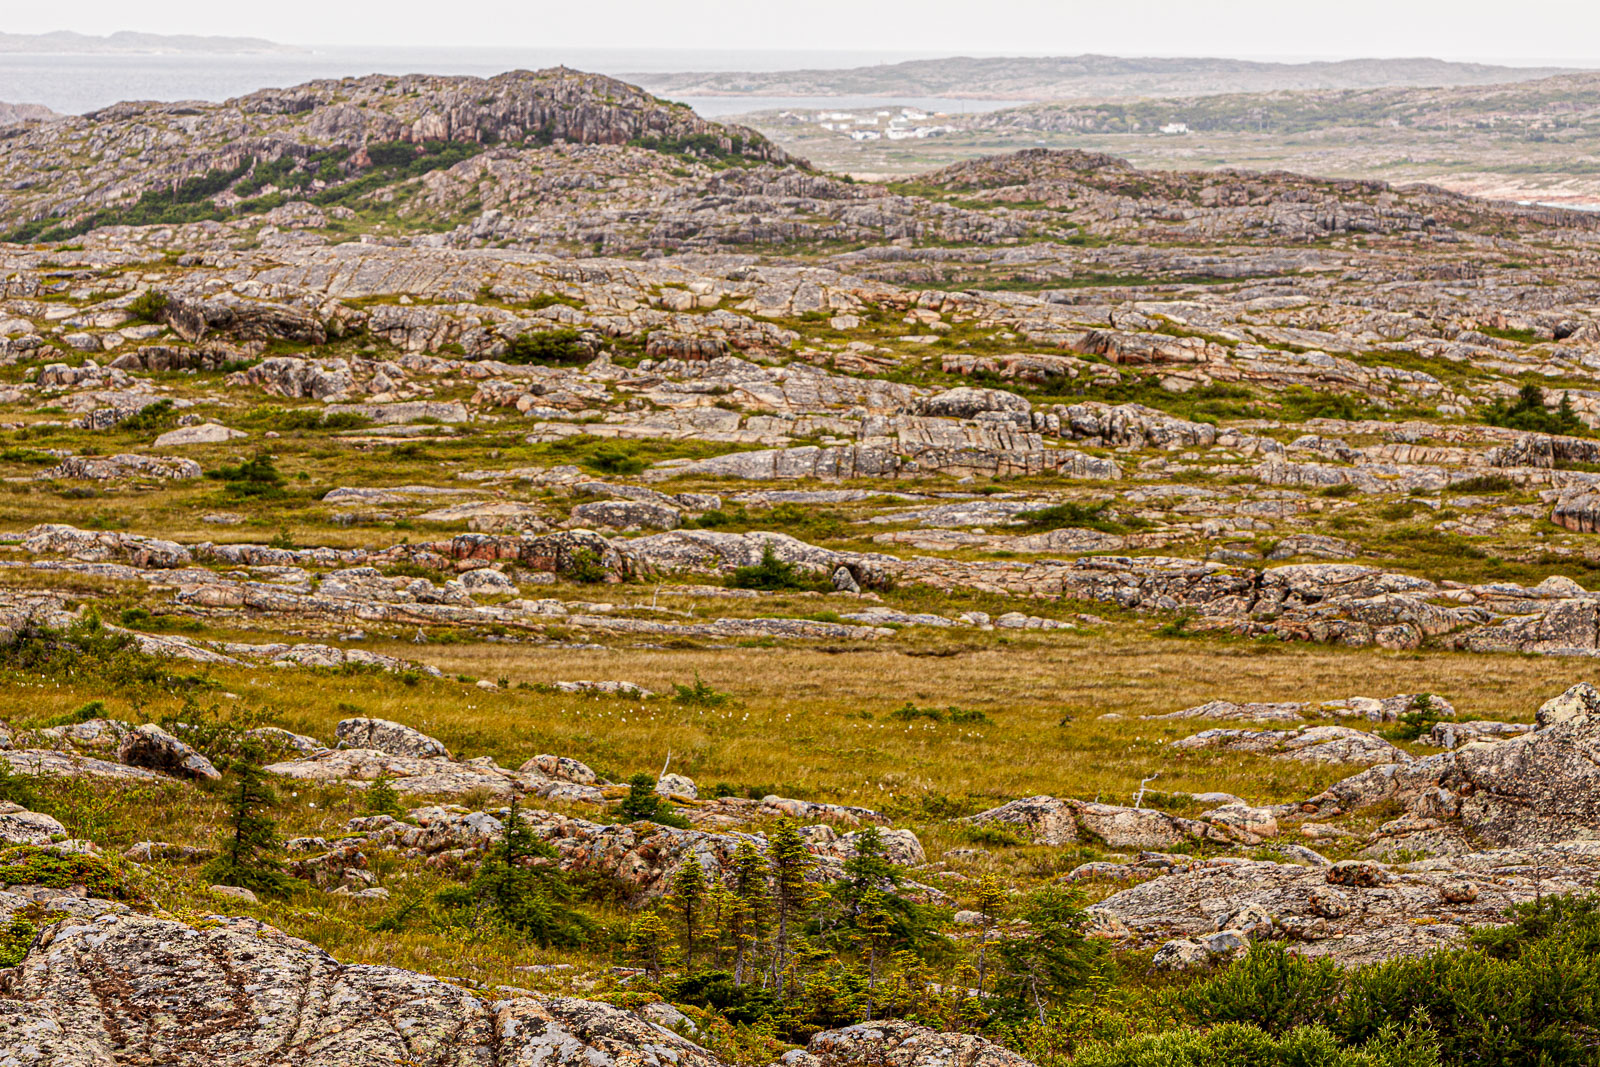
(892, 1043)
(128, 989)
(1355, 911)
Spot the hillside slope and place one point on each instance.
(165, 162)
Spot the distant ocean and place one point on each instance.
(79, 83)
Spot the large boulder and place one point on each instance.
(19, 826)
(239, 992)
(152, 748)
(1536, 787)
(391, 737)
(965, 402)
(625, 514)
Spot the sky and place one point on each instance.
(1530, 31)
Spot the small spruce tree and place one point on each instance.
(688, 902)
(249, 857)
(991, 901)
(747, 919)
(382, 799)
(875, 931)
(523, 893)
(641, 802)
(647, 941)
(789, 861)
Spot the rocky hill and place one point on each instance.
(1085, 76)
(128, 42)
(15, 114)
(154, 162)
(1538, 109)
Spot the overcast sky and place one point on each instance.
(1529, 30)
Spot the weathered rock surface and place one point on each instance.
(389, 737)
(1356, 912)
(238, 991)
(1316, 744)
(893, 1043)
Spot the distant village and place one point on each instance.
(891, 124)
(899, 123)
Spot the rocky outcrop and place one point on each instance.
(1047, 820)
(1357, 911)
(893, 1043)
(392, 738)
(1311, 744)
(236, 990)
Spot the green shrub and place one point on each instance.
(1529, 413)
(33, 865)
(257, 477)
(1484, 483)
(149, 306)
(150, 419)
(699, 695)
(1242, 1045)
(1071, 515)
(382, 798)
(584, 565)
(613, 461)
(16, 937)
(1418, 720)
(17, 788)
(1271, 988)
(548, 348)
(772, 574)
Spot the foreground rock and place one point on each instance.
(240, 992)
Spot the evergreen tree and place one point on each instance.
(868, 871)
(647, 938)
(1053, 961)
(747, 918)
(641, 802)
(382, 799)
(249, 857)
(720, 916)
(524, 893)
(991, 900)
(789, 861)
(688, 902)
(875, 930)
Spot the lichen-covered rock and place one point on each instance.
(19, 826)
(1356, 911)
(154, 749)
(894, 1043)
(1314, 744)
(1046, 820)
(239, 992)
(391, 737)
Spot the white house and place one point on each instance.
(1175, 127)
